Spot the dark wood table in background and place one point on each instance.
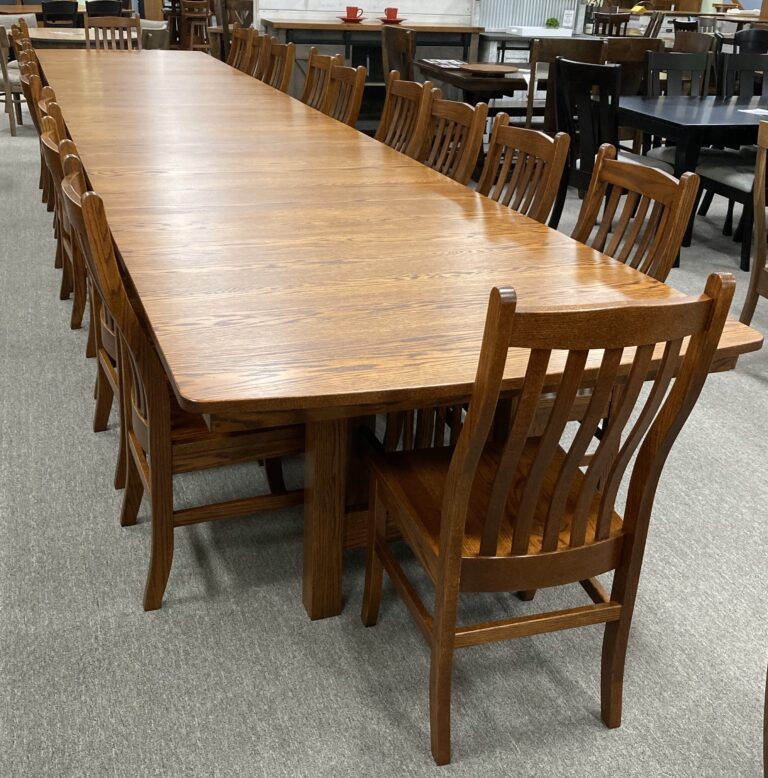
(474, 88)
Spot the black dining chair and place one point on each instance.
(684, 74)
(103, 8)
(751, 41)
(587, 109)
(690, 25)
(60, 13)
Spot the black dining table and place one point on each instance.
(694, 122)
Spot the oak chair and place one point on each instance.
(454, 137)
(758, 280)
(405, 116)
(69, 259)
(523, 168)
(645, 213)
(161, 438)
(113, 33)
(398, 50)
(279, 64)
(240, 50)
(344, 95)
(259, 57)
(318, 77)
(506, 512)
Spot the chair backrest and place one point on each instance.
(113, 33)
(318, 76)
(280, 65)
(587, 110)
(60, 13)
(539, 499)
(751, 41)
(454, 136)
(523, 168)
(611, 24)
(645, 213)
(235, 12)
(694, 42)
(259, 58)
(345, 93)
(686, 74)
(398, 50)
(32, 87)
(49, 142)
(544, 52)
(630, 54)
(405, 116)
(707, 24)
(147, 402)
(103, 8)
(680, 25)
(199, 8)
(740, 74)
(240, 51)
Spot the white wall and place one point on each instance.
(445, 11)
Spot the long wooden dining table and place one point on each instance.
(292, 269)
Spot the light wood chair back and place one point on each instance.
(279, 66)
(11, 106)
(758, 279)
(454, 137)
(405, 116)
(345, 93)
(195, 21)
(504, 511)
(398, 50)
(645, 213)
(240, 50)
(259, 56)
(523, 168)
(318, 77)
(112, 33)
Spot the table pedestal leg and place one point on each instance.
(325, 494)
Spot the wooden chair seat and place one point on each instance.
(418, 479)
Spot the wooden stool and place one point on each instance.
(195, 19)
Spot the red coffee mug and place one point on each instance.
(390, 13)
(353, 12)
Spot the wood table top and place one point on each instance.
(286, 261)
(20, 9)
(478, 85)
(365, 26)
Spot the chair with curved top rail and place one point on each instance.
(523, 168)
(405, 116)
(161, 438)
(240, 49)
(611, 24)
(453, 139)
(507, 511)
(278, 65)
(344, 95)
(318, 77)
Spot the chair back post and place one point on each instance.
(280, 65)
(318, 77)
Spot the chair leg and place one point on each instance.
(750, 303)
(121, 466)
(706, 202)
(79, 289)
(275, 479)
(58, 260)
(17, 105)
(747, 225)
(90, 345)
(612, 670)
(374, 570)
(526, 595)
(134, 491)
(557, 210)
(728, 224)
(440, 675)
(66, 282)
(161, 556)
(104, 397)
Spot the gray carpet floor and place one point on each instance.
(230, 678)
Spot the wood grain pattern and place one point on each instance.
(351, 308)
(514, 511)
